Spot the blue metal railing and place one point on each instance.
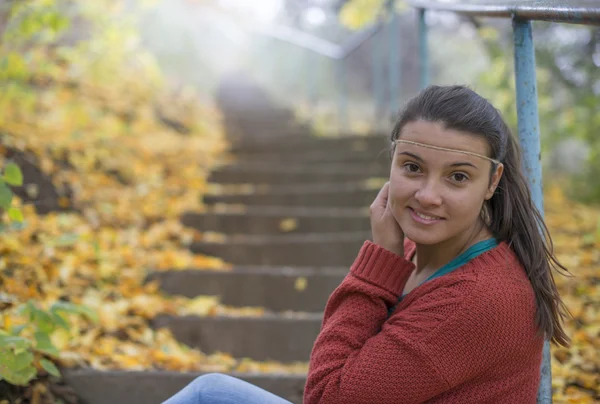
(340, 53)
(521, 13)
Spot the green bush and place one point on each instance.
(22, 355)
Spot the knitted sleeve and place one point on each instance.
(358, 357)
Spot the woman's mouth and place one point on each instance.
(424, 218)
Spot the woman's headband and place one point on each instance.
(494, 161)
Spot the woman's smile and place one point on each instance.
(424, 218)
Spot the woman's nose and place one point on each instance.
(429, 194)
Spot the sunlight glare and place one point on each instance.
(263, 10)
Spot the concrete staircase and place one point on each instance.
(317, 183)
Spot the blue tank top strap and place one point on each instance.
(472, 252)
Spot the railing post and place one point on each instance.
(394, 68)
(529, 139)
(342, 115)
(311, 72)
(423, 49)
(377, 80)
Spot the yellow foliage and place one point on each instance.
(300, 284)
(288, 224)
(356, 14)
(574, 228)
(101, 126)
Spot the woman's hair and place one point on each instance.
(510, 213)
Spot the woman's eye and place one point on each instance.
(411, 167)
(459, 177)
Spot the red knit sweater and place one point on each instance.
(466, 337)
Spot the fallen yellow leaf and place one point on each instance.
(288, 224)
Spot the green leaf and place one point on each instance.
(14, 342)
(15, 214)
(26, 375)
(16, 330)
(65, 307)
(22, 310)
(43, 321)
(90, 314)
(43, 344)
(59, 320)
(50, 367)
(16, 368)
(23, 360)
(15, 361)
(20, 378)
(76, 309)
(6, 196)
(13, 174)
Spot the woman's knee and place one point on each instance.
(209, 380)
(218, 388)
(210, 383)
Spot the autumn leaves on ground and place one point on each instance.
(121, 155)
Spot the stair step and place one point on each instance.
(367, 144)
(308, 250)
(271, 337)
(274, 288)
(266, 131)
(154, 387)
(360, 158)
(275, 220)
(322, 194)
(269, 165)
(262, 114)
(277, 174)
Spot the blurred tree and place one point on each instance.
(568, 60)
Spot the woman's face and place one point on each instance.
(436, 195)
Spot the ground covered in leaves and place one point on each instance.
(112, 154)
(575, 229)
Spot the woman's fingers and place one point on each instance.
(382, 197)
(386, 231)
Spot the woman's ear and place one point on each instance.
(494, 182)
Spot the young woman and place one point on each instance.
(453, 298)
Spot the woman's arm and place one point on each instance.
(359, 358)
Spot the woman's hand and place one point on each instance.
(386, 230)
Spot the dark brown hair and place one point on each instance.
(511, 213)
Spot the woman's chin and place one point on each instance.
(423, 237)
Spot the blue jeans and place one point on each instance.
(216, 388)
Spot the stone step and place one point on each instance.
(280, 219)
(322, 164)
(265, 132)
(375, 160)
(307, 250)
(278, 174)
(367, 144)
(314, 195)
(154, 387)
(261, 114)
(274, 288)
(270, 337)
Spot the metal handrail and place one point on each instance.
(322, 46)
(339, 53)
(521, 13)
(573, 11)
(319, 45)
